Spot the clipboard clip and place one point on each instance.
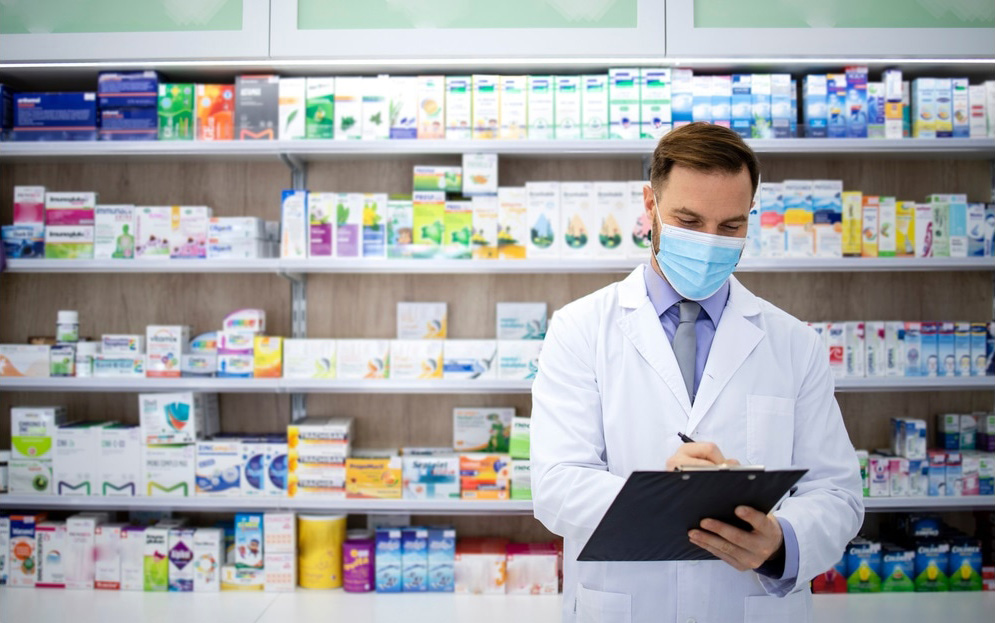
(720, 468)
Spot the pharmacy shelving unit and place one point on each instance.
(414, 507)
(387, 386)
(469, 267)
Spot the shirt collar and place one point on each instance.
(663, 296)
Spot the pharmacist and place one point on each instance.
(681, 346)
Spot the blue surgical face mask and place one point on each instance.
(696, 264)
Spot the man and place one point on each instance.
(681, 346)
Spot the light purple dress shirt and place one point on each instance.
(665, 299)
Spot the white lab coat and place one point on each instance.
(609, 399)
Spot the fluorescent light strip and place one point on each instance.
(510, 62)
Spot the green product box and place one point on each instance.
(429, 214)
(521, 480)
(446, 179)
(898, 565)
(176, 106)
(458, 225)
(519, 446)
(863, 567)
(932, 566)
(320, 108)
(965, 565)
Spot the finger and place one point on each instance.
(732, 462)
(742, 538)
(720, 554)
(703, 450)
(753, 517)
(683, 461)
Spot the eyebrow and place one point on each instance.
(693, 214)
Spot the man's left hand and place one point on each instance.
(743, 550)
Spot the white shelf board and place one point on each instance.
(93, 606)
(445, 507)
(238, 504)
(456, 267)
(332, 149)
(387, 386)
(967, 502)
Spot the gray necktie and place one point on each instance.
(686, 342)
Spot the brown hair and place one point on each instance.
(703, 147)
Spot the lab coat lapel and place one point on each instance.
(640, 324)
(735, 338)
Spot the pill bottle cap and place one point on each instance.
(67, 316)
(87, 348)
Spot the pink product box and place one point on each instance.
(69, 216)
(29, 205)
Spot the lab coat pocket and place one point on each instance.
(792, 608)
(601, 607)
(770, 430)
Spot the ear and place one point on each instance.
(648, 200)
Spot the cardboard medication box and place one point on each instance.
(176, 111)
(362, 359)
(172, 418)
(165, 344)
(155, 560)
(24, 360)
(55, 117)
(518, 359)
(533, 569)
(431, 477)
(249, 541)
(114, 232)
(76, 460)
(169, 470)
(107, 562)
(257, 107)
(469, 359)
(33, 431)
(478, 429)
(119, 461)
(218, 471)
(208, 557)
(181, 560)
(264, 466)
(480, 566)
(521, 321)
(374, 477)
(416, 359)
(309, 358)
(23, 241)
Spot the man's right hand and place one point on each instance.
(704, 454)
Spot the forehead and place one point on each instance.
(709, 192)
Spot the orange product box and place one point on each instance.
(378, 477)
(485, 465)
(215, 107)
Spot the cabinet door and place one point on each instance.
(842, 28)
(141, 30)
(392, 32)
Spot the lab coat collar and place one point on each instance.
(735, 338)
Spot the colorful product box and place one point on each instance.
(55, 117)
(181, 560)
(374, 477)
(293, 111)
(363, 359)
(107, 557)
(294, 225)
(218, 470)
(421, 321)
(773, 240)
(165, 344)
(856, 99)
(875, 110)
(905, 229)
(208, 557)
(887, 224)
(430, 477)
(215, 112)
(798, 218)
(249, 540)
(512, 223)
(128, 124)
(482, 429)
(481, 566)
(322, 217)
(965, 565)
(23, 241)
(441, 560)
(521, 321)
(268, 357)
(176, 111)
(701, 102)
(486, 106)
(932, 566)
(469, 359)
(388, 560)
(943, 88)
(131, 89)
(51, 543)
(115, 229)
(863, 567)
(533, 568)
(155, 560)
(893, 106)
(375, 108)
(428, 215)
(458, 230)
(816, 106)
(414, 560)
(898, 567)
(780, 105)
(480, 174)
(721, 100)
(742, 105)
(521, 480)
(836, 105)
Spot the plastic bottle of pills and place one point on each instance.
(85, 353)
(67, 326)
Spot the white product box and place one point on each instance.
(362, 359)
(279, 533)
(978, 123)
(50, 556)
(887, 224)
(567, 103)
(513, 227)
(119, 366)
(898, 477)
(481, 429)
(132, 558)
(25, 360)
(120, 344)
(827, 207)
(459, 107)
(879, 468)
(404, 107)
(107, 557)
(514, 100)
(486, 106)
(114, 231)
(80, 555)
(469, 359)
(924, 230)
(76, 460)
(541, 107)
(874, 349)
(521, 478)
(480, 174)
(798, 218)
(421, 321)
(654, 102)
(894, 354)
(376, 108)
(164, 345)
(70, 200)
(33, 429)
(521, 321)
(294, 231)
(236, 366)
(208, 558)
(235, 229)
(432, 106)
(308, 359)
(854, 357)
(518, 360)
(169, 470)
(485, 220)
(624, 103)
(172, 418)
(4, 549)
(594, 107)
(348, 104)
(433, 477)
(578, 219)
(321, 223)
(219, 466)
(612, 206)
(416, 359)
(30, 477)
(292, 111)
(280, 572)
(324, 482)
(181, 560)
(542, 205)
(637, 226)
(196, 364)
(236, 341)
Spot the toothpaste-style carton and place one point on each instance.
(486, 106)
(513, 226)
(543, 219)
(624, 118)
(107, 545)
(414, 560)
(294, 225)
(856, 99)
(514, 101)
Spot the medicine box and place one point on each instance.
(23, 241)
(421, 321)
(51, 549)
(477, 429)
(863, 566)
(76, 459)
(568, 106)
(23, 552)
(433, 105)
(114, 232)
(624, 115)
(29, 205)
(428, 222)
(404, 107)
(469, 359)
(541, 107)
(514, 107)
(24, 360)
(480, 174)
(69, 242)
(377, 477)
(414, 560)
(965, 564)
(132, 558)
(219, 465)
(176, 111)
(309, 358)
(486, 106)
(107, 557)
(484, 476)
(430, 477)
(214, 118)
(441, 560)
(55, 116)
(519, 444)
(416, 359)
(267, 357)
(263, 466)
(181, 559)
(518, 360)
(119, 461)
(458, 107)
(362, 359)
(30, 476)
(132, 89)
(481, 566)
(294, 226)
(249, 541)
(898, 567)
(257, 107)
(388, 560)
(512, 223)
(208, 557)
(170, 418)
(155, 563)
(33, 431)
(533, 569)
(932, 566)
(521, 480)
(165, 344)
(169, 470)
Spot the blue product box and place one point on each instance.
(249, 540)
(976, 230)
(979, 338)
(117, 124)
(863, 566)
(965, 564)
(955, 475)
(937, 474)
(414, 560)
(780, 105)
(387, 560)
(6, 107)
(912, 345)
(55, 116)
(441, 560)
(701, 102)
(932, 566)
(742, 105)
(128, 89)
(856, 102)
(923, 526)
(793, 121)
(682, 97)
(990, 350)
(760, 95)
(816, 106)
(23, 241)
(836, 105)
(722, 100)
(988, 231)
(928, 350)
(962, 349)
(945, 349)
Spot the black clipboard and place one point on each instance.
(652, 514)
